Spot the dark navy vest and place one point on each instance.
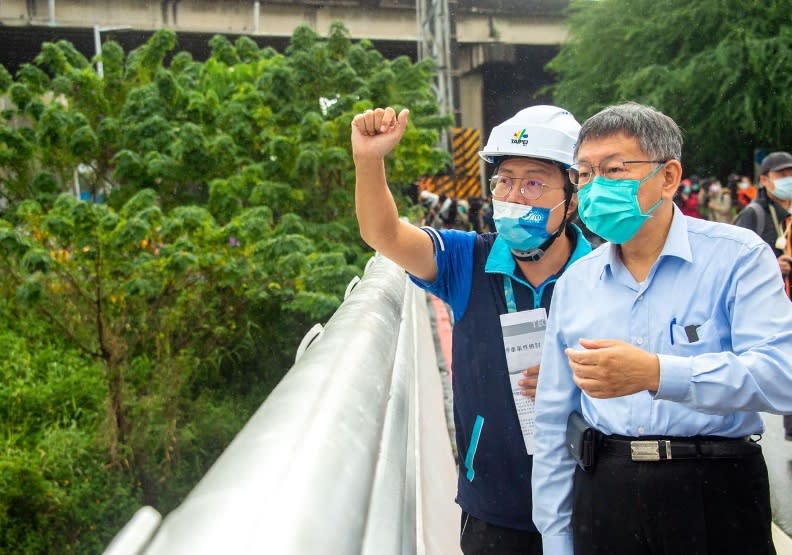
(494, 468)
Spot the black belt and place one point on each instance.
(672, 448)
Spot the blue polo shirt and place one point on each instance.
(494, 482)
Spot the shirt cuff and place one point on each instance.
(674, 378)
(557, 545)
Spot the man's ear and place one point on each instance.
(672, 175)
(572, 208)
(763, 180)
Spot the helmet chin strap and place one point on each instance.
(533, 255)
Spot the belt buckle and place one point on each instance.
(645, 450)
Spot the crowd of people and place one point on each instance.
(709, 199)
(446, 212)
(705, 198)
(606, 401)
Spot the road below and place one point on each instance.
(778, 454)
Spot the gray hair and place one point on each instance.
(658, 135)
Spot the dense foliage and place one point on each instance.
(144, 323)
(720, 68)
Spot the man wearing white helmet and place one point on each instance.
(499, 286)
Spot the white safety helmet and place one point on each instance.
(545, 132)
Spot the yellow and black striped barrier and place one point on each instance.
(465, 181)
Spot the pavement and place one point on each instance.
(778, 456)
(782, 542)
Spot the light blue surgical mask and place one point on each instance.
(522, 226)
(783, 188)
(609, 207)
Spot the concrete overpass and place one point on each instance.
(500, 46)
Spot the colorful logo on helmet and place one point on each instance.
(520, 138)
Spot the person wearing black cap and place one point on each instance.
(770, 219)
(777, 170)
(768, 214)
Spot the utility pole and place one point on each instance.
(435, 41)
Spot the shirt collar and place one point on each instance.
(677, 244)
(500, 259)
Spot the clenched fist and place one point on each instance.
(376, 132)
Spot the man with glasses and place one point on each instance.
(499, 287)
(686, 336)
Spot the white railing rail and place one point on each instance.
(348, 455)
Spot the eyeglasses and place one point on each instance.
(530, 189)
(611, 168)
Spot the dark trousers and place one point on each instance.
(482, 538)
(690, 507)
(788, 426)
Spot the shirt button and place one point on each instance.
(640, 297)
(641, 430)
(639, 341)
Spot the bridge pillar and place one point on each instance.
(471, 108)
(471, 59)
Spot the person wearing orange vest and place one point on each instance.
(746, 192)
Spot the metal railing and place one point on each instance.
(349, 454)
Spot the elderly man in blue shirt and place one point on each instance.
(685, 335)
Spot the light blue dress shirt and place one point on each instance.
(722, 280)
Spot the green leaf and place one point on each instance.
(21, 96)
(36, 80)
(308, 164)
(10, 242)
(5, 79)
(147, 60)
(145, 199)
(180, 261)
(45, 183)
(29, 292)
(83, 143)
(36, 260)
(223, 51)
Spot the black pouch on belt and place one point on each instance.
(581, 440)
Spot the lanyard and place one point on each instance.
(777, 226)
(508, 292)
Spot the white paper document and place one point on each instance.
(523, 335)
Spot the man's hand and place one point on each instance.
(528, 382)
(610, 368)
(785, 264)
(376, 132)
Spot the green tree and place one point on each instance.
(228, 228)
(211, 131)
(157, 298)
(719, 68)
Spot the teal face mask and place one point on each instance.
(609, 207)
(523, 227)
